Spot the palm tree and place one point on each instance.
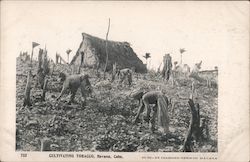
(182, 50)
(68, 52)
(146, 56)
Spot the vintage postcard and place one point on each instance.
(124, 81)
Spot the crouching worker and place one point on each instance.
(73, 83)
(125, 73)
(160, 109)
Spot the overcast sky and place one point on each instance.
(209, 31)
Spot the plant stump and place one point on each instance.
(26, 101)
(194, 131)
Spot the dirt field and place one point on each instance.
(105, 123)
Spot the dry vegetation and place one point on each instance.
(105, 123)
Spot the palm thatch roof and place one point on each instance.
(94, 50)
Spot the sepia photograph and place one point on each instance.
(108, 80)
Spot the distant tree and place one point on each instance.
(57, 58)
(147, 56)
(182, 50)
(68, 52)
(175, 64)
(167, 66)
(34, 44)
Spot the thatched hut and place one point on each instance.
(92, 53)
